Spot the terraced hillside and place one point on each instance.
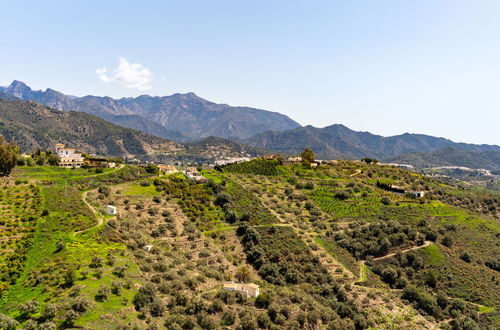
(330, 247)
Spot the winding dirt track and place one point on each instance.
(426, 243)
(96, 213)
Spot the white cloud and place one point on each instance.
(129, 75)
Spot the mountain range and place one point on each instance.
(338, 141)
(188, 117)
(34, 126)
(452, 157)
(182, 117)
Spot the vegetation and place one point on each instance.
(8, 156)
(329, 247)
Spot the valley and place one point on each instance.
(326, 246)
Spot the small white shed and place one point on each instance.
(111, 210)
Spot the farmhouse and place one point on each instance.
(167, 169)
(247, 290)
(193, 174)
(68, 157)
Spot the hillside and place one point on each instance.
(188, 114)
(340, 142)
(33, 126)
(328, 247)
(452, 157)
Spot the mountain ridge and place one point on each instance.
(338, 141)
(34, 126)
(187, 114)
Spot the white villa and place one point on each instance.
(68, 157)
(247, 290)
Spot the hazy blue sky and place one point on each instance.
(387, 67)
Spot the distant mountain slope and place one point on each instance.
(452, 157)
(338, 141)
(187, 114)
(145, 125)
(34, 126)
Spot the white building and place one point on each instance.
(68, 157)
(247, 290)
(233, 160)
(418, 194)
(111, 210)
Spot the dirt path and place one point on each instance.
(358, 171)
(426, 243)
(96, 214)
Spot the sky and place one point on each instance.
(387, 67)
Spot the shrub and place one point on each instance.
(431, 278)
(447, 241)
(263, 300)
(144, 297)
(29, 307)
(386, 201)
(228, 318)
(222, 199)
(7, 323)
(96, 262)
(102, 293)
(342, 195)
(466, 257)
(80, 304)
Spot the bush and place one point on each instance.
(96, 262)
(222, 199)
(102, 293)
(309, 186)
(342, 195)
(144, 297)
(466, 257)
(431, 278)
(7, 323)
(447, 241)
(423, 299)
(80, 304)
(386, 201)
(228, 318)
(263, 300)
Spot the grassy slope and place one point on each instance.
(473, 232)
(304, 221)
(61, 191)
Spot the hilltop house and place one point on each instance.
(193, 174)
(247, 290)
(167, 169)
(68, 157)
